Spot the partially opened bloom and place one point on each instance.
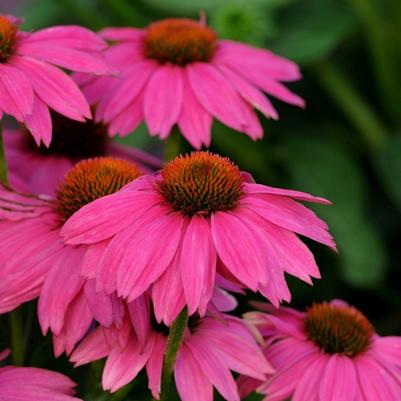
(328, 353)
(177, 72)
(30, 82)
(34, 261)
(27, 384)
(199, 215)
(212, 347)
(39, 170)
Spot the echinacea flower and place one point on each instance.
(199, 215)
(331, 352)
(212, 347)
(177, 72)
(30, 82)
(39, 170)
(26, 384)
(34, 261)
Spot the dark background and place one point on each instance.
(345, 146)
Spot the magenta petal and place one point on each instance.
(256, 62)
(54, 87)
(92, 348)
(250, 93)
(192, 383)
(70, 36)
(215, 370)
(239, 247)
(198, 263)
(168, 293)
(339, 380)
(163, 100)
(143, 264)
(291, 215)
(53, 304)
(99, 304)
(155, 364)
(194, 122)
(19, 88)
(139, 311)
(253, 188)
(216, 95)
(128, 88)
(121, 34)
(39, 123)
(122, 366)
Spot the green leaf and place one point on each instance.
(311, 29)
(323, 167)
(388, 165)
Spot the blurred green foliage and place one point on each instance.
(345, 146)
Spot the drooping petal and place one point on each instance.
(198, 263)
(163, 100)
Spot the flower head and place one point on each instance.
(20, 383)
(197, 217)
(177, 72)
(34, 262)
(329, 352)
(212, 347)
(39, 169)
(30, 84)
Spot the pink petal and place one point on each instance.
(18, 87)
(54, 87)
(216, 95)
(256, 62)
(339, 380)
(53, 303)
(198, 263)
(92, 348)
(140, 311)
(130, 84)
(145, 262)
(155, 364)
(194, 121)
(69, 36)
(239, 248)
(253, 188)
(215, 370)
(250, 93)
(291, 215)
(192, 383)
(122, 34)
(39, 123)
(163, 100)
(123, 366)
(99, 303)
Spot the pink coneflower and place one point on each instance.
(328, 353)
(26, 384)
(34, 261)
(176, 71)
(39, 170)
(198, 215)
(30, 84)
(212, 347)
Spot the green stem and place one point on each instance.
(174, 341)
(381, 52)
(172, 147)
(347, 98)
(17, 340)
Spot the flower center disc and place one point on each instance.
(179, 41)
(92, 179)
(201, 183)
(8, 34)
(74, 139)
(338, 329)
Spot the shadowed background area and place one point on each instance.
(346, 144)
